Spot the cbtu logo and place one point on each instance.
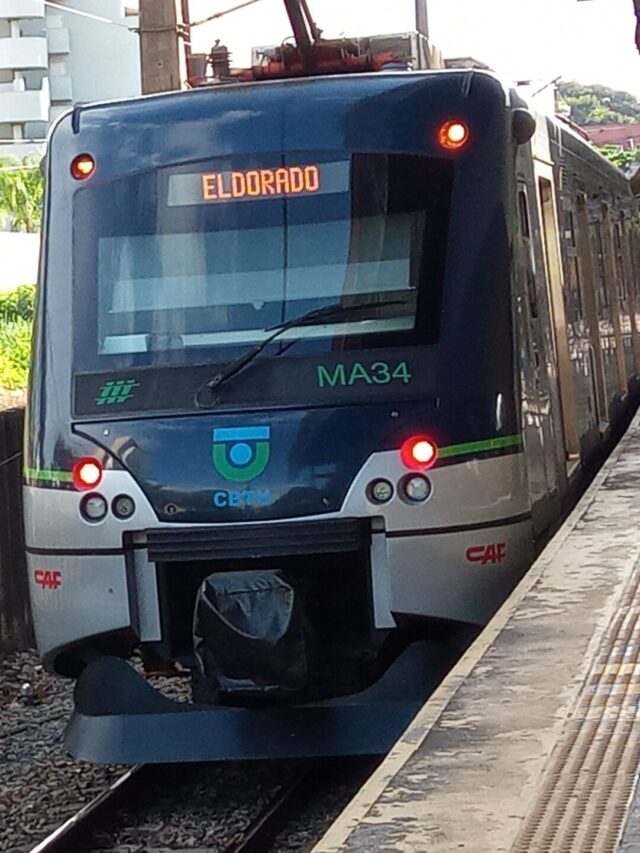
(241, 454)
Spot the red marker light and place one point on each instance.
(418, 453)
(453, 135)
(86, 474)
(83, 167)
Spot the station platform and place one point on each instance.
(532, 742)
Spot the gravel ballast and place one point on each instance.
(185, 807)
(40, 786)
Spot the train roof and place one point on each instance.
(453, 81)
(568, 141)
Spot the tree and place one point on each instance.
(598, 104)
(21, 193)
(624, 159)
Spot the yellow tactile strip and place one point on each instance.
(591, 774)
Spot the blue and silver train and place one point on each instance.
(318, 364)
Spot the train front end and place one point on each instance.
(273, 437)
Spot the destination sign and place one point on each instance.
(218, 186)
(213, 187)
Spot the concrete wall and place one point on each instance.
(15, 614)
(18, 259)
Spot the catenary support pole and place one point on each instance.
(162, 49)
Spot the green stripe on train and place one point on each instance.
(480, 446)
(50, 476)
(443, 453)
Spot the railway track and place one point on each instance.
(101, 813)
(76, 830)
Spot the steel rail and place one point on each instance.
(76, 828)
(261, 832)
(285, 805)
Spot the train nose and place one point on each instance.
(249, 637)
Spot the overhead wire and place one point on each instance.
(101, 19)
(224, 12)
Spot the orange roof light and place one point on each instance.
(83, 167)
(453, 135)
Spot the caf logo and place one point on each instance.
(241, 454)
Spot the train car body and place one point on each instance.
(313, 375)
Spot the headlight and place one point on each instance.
(93, 507)
(123, 507)
(416, 488)
(379, 491)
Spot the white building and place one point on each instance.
(51, 59)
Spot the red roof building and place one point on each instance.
(624, 135)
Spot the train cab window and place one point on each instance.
(199, 261)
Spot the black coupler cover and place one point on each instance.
(248, 636)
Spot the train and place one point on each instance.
(318, 364)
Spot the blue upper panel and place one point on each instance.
(368, 112)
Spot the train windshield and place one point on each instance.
(197, 262)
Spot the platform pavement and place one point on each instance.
(532, 742)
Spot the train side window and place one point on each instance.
(577, 285)
(602, 291)
(623, 291)
(525, 231)
(573, 291)
(634, 238)
(569, 228)
(525, 228)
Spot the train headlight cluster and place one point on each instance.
(94, 507)
(413, 489)
(418, 454)
(86, 476)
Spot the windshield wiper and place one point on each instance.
(237, 365)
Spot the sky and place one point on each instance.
(590, 41)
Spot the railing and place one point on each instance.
(25, 53)
(19, 106)
(15, 614)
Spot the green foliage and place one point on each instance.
(626, 160)
(21, 193)
(16, 315)
(598, 104)
(18, 304)
(15, 352)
